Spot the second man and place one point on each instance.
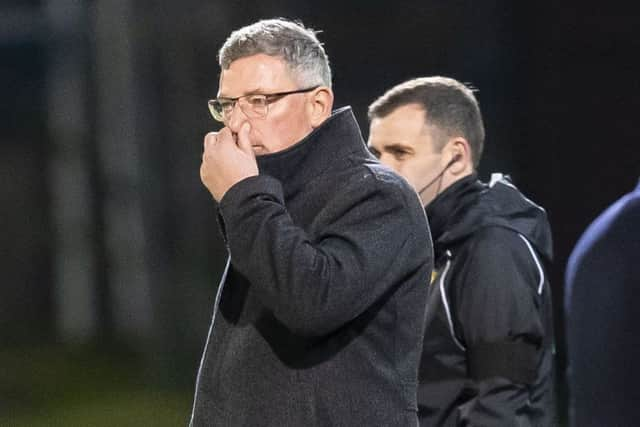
(487, 356)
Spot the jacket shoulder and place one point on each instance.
(387, 179)
(497, 260)
(383, 173)
(493, 238)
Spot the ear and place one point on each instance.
(320, 105)
(458, 153)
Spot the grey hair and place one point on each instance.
(291, 41)
(450, 107)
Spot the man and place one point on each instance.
(487, 357)
(319, 315)
(602, 295)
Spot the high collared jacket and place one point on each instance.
(488, 345)
(319, 316)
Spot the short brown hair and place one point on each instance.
(450, 106)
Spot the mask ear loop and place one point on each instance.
(455, 159)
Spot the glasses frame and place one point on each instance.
(269, 99)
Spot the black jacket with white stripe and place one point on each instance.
(488, 348)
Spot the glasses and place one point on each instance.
(253, 105)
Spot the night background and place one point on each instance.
(110, 249)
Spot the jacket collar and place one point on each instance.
(449, 205)
(330, 142)
(470, 205)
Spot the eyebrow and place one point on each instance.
(253, 91)
(397, 146)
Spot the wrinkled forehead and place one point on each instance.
(255, 74)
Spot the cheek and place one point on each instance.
(411, 175)
(389, 161)
(400, 167)
(405, 167)
(288, 132)
(412, 171)
(283, 127)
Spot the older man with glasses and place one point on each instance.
(319, 316)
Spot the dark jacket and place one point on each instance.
(602, 297)
(320, 314)
(487, 357)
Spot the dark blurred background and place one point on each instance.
(110, 250)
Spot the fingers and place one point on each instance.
(243, 140)
(210, 139)
(225, 140)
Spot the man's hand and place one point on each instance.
(227, 160)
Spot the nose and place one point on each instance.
(236, 118)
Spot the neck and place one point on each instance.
(442, 181)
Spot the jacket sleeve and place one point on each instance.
(372, 237)
(498, 315)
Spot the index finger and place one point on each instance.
(210, 138)
(226, 134)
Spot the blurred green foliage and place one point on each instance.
(85, 386)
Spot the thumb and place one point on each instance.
(243, 139)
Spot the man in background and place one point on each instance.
(487, 357)
(319, 316)
(601, 299)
